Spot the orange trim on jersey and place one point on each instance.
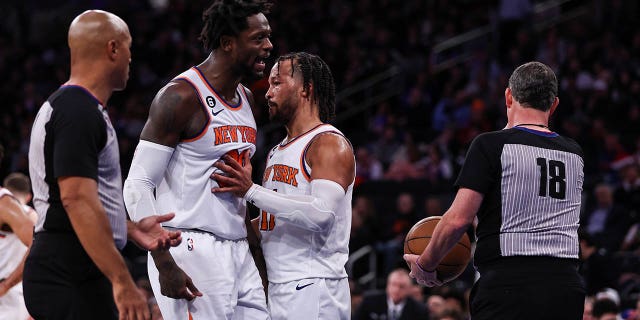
(189, 314)
(303, 164)
(224, 102)
(204, 106)
(284, 146)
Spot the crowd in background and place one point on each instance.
(409, 146)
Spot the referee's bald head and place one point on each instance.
(91, 30)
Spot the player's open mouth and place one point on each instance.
(260, 64)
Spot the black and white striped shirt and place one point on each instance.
(73, 136)
(532, 184)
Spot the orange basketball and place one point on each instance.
(453, 263)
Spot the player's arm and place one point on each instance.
(331, 158)
(253, 229)
(253, 238)
(11, 214)
(14, 277)
(171, 116)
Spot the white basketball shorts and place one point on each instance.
(310, 299)
(223, 270)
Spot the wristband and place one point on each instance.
(423, 269)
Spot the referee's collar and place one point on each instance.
(537, 132)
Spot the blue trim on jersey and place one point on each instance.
(218, 93)
(539, 133)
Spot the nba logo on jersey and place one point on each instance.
(189, 244)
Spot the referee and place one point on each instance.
(74, 269)
(524, 184)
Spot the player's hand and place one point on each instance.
(130, 302)
(150, 235)
(176, 284)
(237, 176)
(429, 279)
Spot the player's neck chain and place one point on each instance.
(532, 124)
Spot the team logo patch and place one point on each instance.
(189, 244)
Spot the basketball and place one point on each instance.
(453, 263)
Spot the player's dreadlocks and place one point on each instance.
(228, 17)
(315, 71)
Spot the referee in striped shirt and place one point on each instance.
(74, 269)
(524, 184)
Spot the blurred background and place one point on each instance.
(417, 80)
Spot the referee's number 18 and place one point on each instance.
(553, 178)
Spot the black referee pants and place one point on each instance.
(528, 288)
(61, 282)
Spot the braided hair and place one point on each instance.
(315, 71)
(228, 17)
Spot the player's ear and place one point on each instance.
(226, 43)
(306, 92)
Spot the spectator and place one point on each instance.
(605, 309)
(627, 193)
(606, 221)
(435, 305)
(368, 168)
(398, 224)
(597, 268)
(395, 303)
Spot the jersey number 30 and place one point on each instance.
(553, 178)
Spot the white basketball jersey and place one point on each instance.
(186, 186)
(11, 248)
(293, 253)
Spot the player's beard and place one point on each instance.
(283, 113)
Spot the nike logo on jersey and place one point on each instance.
(216, 113)
(300, 287)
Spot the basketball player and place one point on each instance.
(16, 233)
(199, 116)
(524, 184)
(305, 197)
(74, 269)
(20, 186)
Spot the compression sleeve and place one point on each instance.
(314, 212)
(147, 169)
